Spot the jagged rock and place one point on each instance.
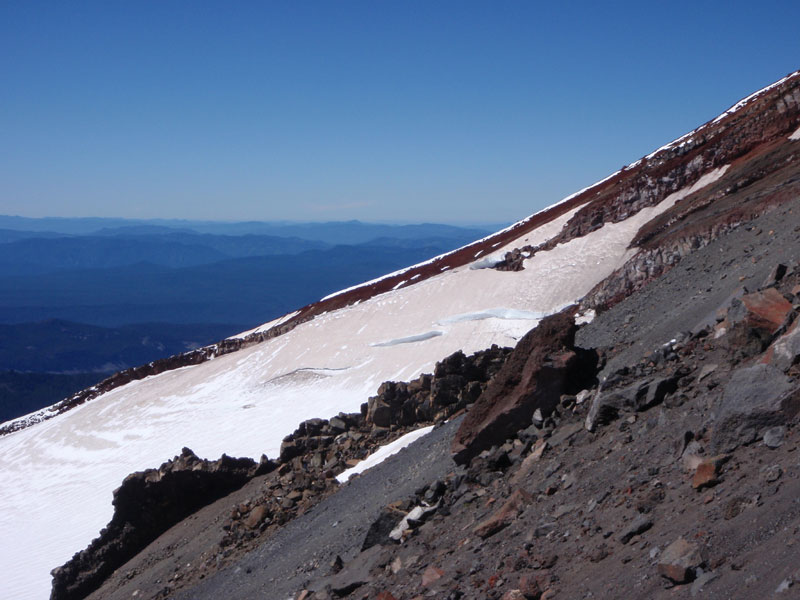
(512, 261)
(145, 505)
(785, 351)
(544, 365)
(707, 471)
(638, 396)
(755, 318)
(679, 561)
(457, 381)
(755, 397)
(777, 273)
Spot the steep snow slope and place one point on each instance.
(58, 476)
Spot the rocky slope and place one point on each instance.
(674, 474)
(619, 458)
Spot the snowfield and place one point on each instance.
(58, 476)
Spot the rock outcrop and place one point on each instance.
(145, 505)
(544, 365)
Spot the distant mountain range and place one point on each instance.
(332, 232)
(83, 298)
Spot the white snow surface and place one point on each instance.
(265, 327)
(382, 453)
(795, 135)
(58, 476)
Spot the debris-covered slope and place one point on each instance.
(242, 396)
(674, 474)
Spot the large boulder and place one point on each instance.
(544, 365)
(755, 318)
(755, 397)
(785, 351)
(640, 395)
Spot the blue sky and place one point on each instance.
(461, 112)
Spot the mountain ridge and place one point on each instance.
(574, 246)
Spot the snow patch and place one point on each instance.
(265, 326)
(382, 453)
(796, 135)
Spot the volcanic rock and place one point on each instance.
(679, 561)
(145, 505)
(755, 319)
(638, 525)
(707, 471)
(505, 515)
(380, 529)
(785, 351)
(639, 396)
(544, 365)
(756, 397)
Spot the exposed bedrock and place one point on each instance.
(145, 505)
(457, 381)
(544, 365)
(765, 119)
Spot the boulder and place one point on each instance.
(257, 516)
(773, 437)
(756, 397)
(544, 365)
(638, 396)
(755, 318)
(679, 561)
(785, 351)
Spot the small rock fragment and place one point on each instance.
(431, 575)
(639, 525)
(680, 560)
(773, 437)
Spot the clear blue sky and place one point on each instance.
(381, 111)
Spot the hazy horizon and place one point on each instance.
(444, 112)
(277, 222)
